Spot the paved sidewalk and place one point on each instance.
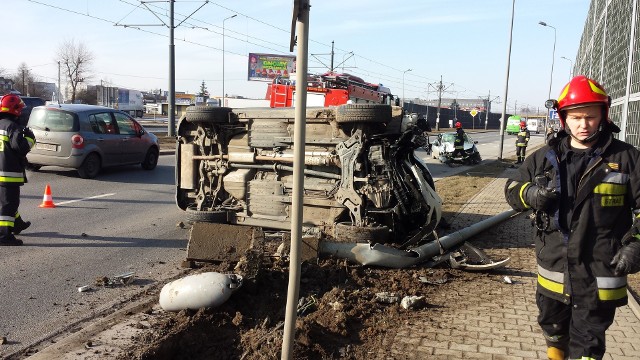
(499, 319)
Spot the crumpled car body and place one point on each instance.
(362, 180)
(443, 147)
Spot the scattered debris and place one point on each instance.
(412, 302)
(84, 288)
(386, 297)
(3, 340)
(122, 279)
(181, 225)
(441, 281)
(507, 280)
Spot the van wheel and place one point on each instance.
(151, 159)
(363, 113)
(214, 216)
(208, 114)
(90, 167)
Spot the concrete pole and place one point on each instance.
(223, 93)
(302, 29)
(171, 126)
(59, 102)
(486, 119)
(506, 84)
(439, 102)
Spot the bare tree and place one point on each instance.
(23, 78)
(76, 60)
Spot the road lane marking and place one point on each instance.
(83, 199)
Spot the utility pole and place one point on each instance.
(23, 90)
(440, 89)
(489, 101)
(58, 83)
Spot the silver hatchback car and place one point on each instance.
(88, 138)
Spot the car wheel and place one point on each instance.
(367, 113)
(346, 232)
(214, 216)
(208, 114)
(151, 159)
(33, 167)
(90, 167)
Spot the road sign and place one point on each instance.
(474, 112)
(553, 115)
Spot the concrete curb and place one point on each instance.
(633, 305)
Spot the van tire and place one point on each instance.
(215, 216)
(208, 114)
(363, 113)
(90, 166)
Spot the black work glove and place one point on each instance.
(540, 198)
(28, 133)
(627, 260)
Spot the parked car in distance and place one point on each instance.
(30, 103)
(89, 138)
(444, 144)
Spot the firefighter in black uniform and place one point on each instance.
(584, 189)
(522, 141)
(458, 142)
(16, 142)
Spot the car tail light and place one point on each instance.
(77, 141)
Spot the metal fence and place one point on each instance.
(609, 52)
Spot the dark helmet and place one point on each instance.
(11, 104)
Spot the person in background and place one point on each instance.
(522, 141)
(15, 142)
(458, 143)
(584, 190)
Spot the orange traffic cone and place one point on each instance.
(47, 200)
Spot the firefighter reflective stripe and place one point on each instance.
(612, 288)
(522, 189)
(7, 221)
(30, 141)
(3, 137)
(551, 280)
(11, 177)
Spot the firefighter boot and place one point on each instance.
(20, 225)
(553, 353)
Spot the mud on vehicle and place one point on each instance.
(362, 181)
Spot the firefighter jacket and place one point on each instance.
(523, 137)
(458, 142)
(15, 144)
(574, 262)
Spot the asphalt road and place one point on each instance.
(124, 220)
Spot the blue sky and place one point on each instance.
(464, 41)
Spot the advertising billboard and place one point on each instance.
(266, 67)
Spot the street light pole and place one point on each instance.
(553, 57)
(571, 68)
(404, 72)
(506, 82)
(223, 93)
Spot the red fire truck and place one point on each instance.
(329, 89)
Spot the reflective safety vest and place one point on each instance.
(14, 146)
(574, 263)
(523, 137)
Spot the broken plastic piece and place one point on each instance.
(507, 280)
(84, 288)
(387, 297)
(198, 291)
(412, 302)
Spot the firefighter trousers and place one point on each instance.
(9, 203)
(521, 152)
(578, 331)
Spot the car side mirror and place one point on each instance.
(141, 132)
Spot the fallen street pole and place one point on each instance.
(385, 256)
